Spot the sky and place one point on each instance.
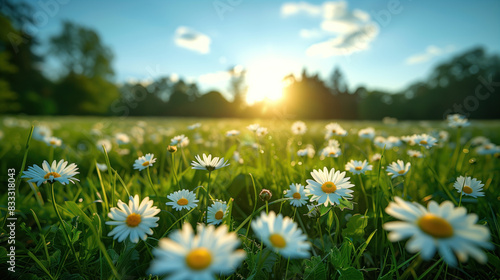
(383, 45)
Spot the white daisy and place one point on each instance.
(409, 139)
(425, 140)
(329, 187)
(179, 140)
(488, 149)
(479, 140)
(298, 195)
(104, 142)
(58, 171)
(376, 157)
(261, 131)
(232, 133)
(187, 256)
(449, 230)
(134, 220)
(457, 120)
(102, 166)
(253, 127)
(282, 235)
(53, 141)
(307, 151)
(194, 126)
(217, 212)
(122, 138)
(334, 129)
(331, 151)
(469, 186)
(144, 162)
(414, 154)
(299, 128)
(358, 167)
(182, 199)
(207, 163)
(41, 132)
(380, 142)
(398, 169)
(392, 141)
(443, 135)
(366, 133)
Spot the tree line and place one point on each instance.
(467, 84)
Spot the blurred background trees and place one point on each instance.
(468, 84)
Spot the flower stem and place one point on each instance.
(66, 235)
(152, 185)
(206, 197)
(174, 171)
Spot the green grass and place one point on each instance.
(348, 242)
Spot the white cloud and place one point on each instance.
(289, 9)
(310, 33)
(220, 76)
(350, 30)
(192, 40)
(430, 52)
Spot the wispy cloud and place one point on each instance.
(310, 33)
(430, 52)
(193, 40)
(349, 30)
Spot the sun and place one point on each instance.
(265, 80)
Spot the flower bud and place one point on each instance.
(172, 149)
(265, 195)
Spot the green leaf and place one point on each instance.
(356, 227)
(345, 204)
(315, 268)
(324, 209)
(350, 273)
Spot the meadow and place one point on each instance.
(68, 237)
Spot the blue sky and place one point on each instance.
(200, 40)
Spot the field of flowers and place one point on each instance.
(109, 198)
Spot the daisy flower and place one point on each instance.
(409, 139)
(392, 141)
(179, 140)
(366, 133)
(102, 166)
(185, 255)
(143, 162)
(487, 149)
(194, 126)
(380, 142)
(103, 142)
(307, 151)
(122, 138)
(282, 235)
(334, 129)
(415, 154)
(41, 132)
(134, 220)
(425, 140)
(58, 171)
(457, 120)
(469, 186)
(232, 133)
(182, 199)
(376, 157)
(329, 187)
(358, 167)
(207, 163)
(299, 128)
(443, 135)
(398, 169)
(449, 230)
(237, 157)
(331, 151)
(253, 127)
(261, 131)
(298, 195)
(217, 212)
(479, 140)
(53, 141)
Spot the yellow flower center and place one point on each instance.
(219, 215)
(401, 172)
(296, 195)
(467, 189)
(358, 168)
(277, 240)
(182, 201)
(146, 163)
(423, 142)
(435, 226)
(199, 258)
(333, 131)
(328, 187)
(54, 174)
(488, 147)
(133, 220)
(52, 142)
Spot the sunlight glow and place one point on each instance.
(265, 80)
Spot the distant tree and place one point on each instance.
(86, 87)
(238, 88)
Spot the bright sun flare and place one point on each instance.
(265, 80)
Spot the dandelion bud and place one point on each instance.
(172, 149)
(265, 195)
